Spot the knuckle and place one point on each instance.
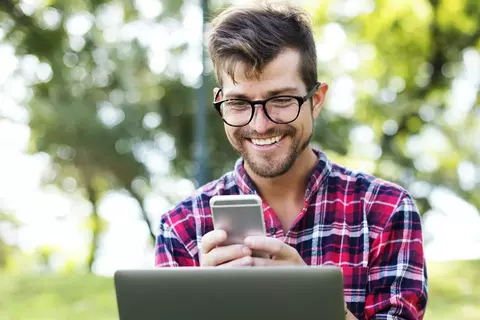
(247, 261)
(277, 247)
(204, 260)
(205, 243)
(210, 240)
(244, 261)
(220, 255)
(234, 252)
(239, 250)
(258, 262)
(214, 258)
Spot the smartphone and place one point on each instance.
(239, 216)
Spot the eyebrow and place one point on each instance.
(270, 93)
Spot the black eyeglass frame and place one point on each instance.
(301, 101)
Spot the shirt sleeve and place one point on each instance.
(170, 251)
(397, 277)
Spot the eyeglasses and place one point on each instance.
(279, 109)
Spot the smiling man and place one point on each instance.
(317, 212)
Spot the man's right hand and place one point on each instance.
(212, 254)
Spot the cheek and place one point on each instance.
(230, 132)
(305, 125)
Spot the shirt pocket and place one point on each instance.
(355, 286)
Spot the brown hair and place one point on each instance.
(256, 34)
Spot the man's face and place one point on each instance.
(271, 149)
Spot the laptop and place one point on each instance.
(280, 293)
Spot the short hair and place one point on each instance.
(256, 34)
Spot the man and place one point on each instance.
(316, 212)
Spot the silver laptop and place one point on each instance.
(229, 294)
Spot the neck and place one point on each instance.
(292, 184)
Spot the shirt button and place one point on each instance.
(272, 231)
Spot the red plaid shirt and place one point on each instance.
(369, 227)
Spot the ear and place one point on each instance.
(217, 94)
(318, 99)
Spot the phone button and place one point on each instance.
(272, 230)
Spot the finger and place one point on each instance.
(221, 255)
(262, 262)
(241, 262)
(273, 246)
(212, 239)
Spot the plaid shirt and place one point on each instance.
(369, 227)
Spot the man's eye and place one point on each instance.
(282, 101)
(236, 104)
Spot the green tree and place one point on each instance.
(10, 224)
(400, 65)
(416, 55)
(112, 88)
(90, 99)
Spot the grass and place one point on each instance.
(454, 290)
(50, 297)
(454, 293)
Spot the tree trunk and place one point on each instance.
(144, 213)
(95, 225)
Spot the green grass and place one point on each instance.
(454, 290)
(51, 297)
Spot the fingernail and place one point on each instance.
(247, 250)
(248, 241)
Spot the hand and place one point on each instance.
(280, 252)
(213, 255)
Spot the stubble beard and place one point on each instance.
(266, 167)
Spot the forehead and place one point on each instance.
(283, 71)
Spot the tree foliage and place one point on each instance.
(114, 98)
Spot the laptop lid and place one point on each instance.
(279, 293)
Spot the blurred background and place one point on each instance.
(106, 122)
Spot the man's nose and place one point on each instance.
(260, 122)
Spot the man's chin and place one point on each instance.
(266, 167)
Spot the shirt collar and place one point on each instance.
(320, 173)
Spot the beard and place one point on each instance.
(266, 165)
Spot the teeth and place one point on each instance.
(263, 142)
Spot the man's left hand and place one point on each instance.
(280, 252)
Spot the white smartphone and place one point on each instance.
(239, 216)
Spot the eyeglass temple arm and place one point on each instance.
(216, 95)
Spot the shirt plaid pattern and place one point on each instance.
(369, 227)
